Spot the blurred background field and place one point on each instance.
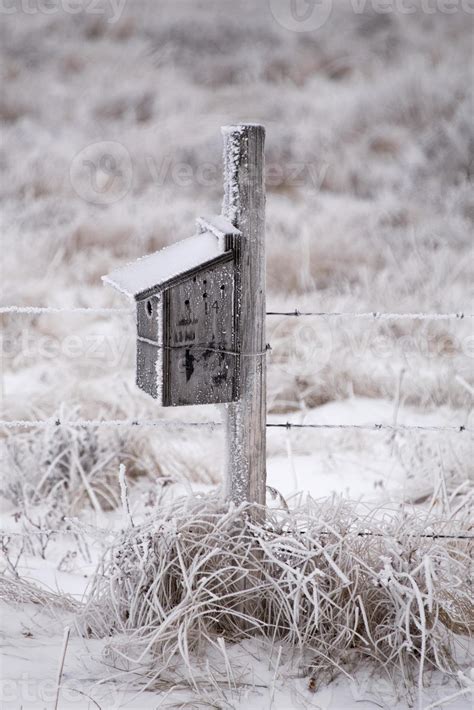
(110, 147)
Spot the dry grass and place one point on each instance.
(372, 206)
(68, 468)
(200, 574)
(18, 591)
(377, 216)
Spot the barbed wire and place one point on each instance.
(39, 310)
(357, 533)
(180, 424)
(375, 315)
(176, 424)
(373, 427)
(431, 536)
(86, 423)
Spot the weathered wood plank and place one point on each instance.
(244, 206)
(200, 360)
(149, 356)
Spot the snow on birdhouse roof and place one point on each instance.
(155, 270)
(218, 225)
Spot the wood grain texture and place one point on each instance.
(185, 337)
(244, 206)
(149, 360)
(200, 364)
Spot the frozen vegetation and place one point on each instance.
(110, 148)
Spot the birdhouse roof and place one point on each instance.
(154, 271)
(218, 225)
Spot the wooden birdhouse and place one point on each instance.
(200, 308)
(186, 335)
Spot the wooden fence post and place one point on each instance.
(244, 206)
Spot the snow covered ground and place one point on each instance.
(32, 648)
(110, 147)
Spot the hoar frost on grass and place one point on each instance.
(334, 586)
(66, 468)
(377, 216)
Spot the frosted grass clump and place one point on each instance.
(336, 586)
(68, 468)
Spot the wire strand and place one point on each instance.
(86, 423)
(180, 424)
(202, 348)
(39, 310)
(373, 427)
(357, 533)
(375, 315)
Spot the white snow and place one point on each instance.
(360, 465)
(32, 647)
(218, 225)
(369, 135)
(162, 266)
